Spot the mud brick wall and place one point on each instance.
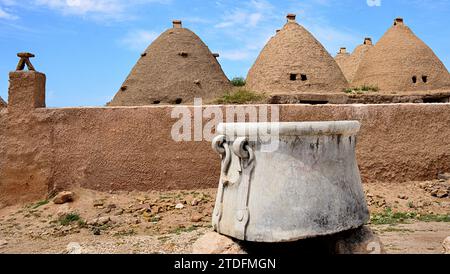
(131, 148)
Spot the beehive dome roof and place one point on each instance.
(294, 61)
(176, 68)
(400, 61)
(349, 63)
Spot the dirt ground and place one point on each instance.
(170, 222)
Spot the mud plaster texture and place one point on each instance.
(130, 148)
(176, 68)
(398, 57)
(295, 51)
(417, 97)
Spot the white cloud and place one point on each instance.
(248, 16)
(374, 3)
(332, 38)
(82, 7)
(138, 40)
(241, 18)
(95, 9)
(6, 15)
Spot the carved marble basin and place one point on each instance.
(288, 181)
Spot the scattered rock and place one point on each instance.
(142, 208)
(118, 212)
(98, 203)
(359, 241)
(96, 231)
(196, 218)
(98, 221)
(73, 248)
(179, 206)
(141, 199)
(446, 245)
(63, 197)
(439, 189)
(195, 202)
(111, 206)
(214, 243)
(402, 197)
(114, 220)
(3, 243)
(103, 220)
(442, 193)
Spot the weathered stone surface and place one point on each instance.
(179, 206)
(26, 90)
(73, 248)
(63, 197)
(214, 243)
(302, 160)
(446, 245)
(359, 241)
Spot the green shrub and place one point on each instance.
(238, 81)
(388, 217)
(362, 89)
(69, 218)
(39, 204)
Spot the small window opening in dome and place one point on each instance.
(123, 88)
(425, 78)
(293, 77)
(414, 79)
(178, 101)
(304, 77)
(157, 102)
(183, 54)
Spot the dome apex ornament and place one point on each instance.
(25, 60)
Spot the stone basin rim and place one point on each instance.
(347, 128)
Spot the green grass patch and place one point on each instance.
(238, 81)
(163, 239)
(125, 233)
(240, 96)
(362, 89)
(69, 218)
(39, 204)
(389, 217)
(394, 229)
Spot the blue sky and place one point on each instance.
(87, 47)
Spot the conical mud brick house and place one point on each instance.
(400, 61)
(293, 61)
(176, 68)
(349, 63)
